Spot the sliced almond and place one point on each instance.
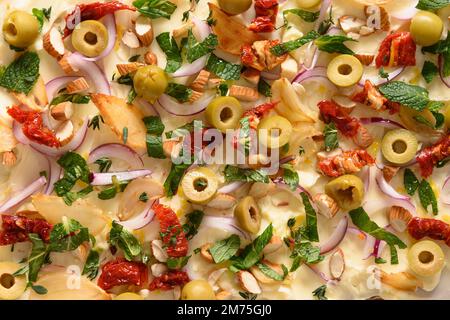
(244, 93)
(377, 18)
(150, 58)
(214, 277)
(131, 40)
(326, 205)
(204, 251)
(77, 85)
(389, 172)
(65, 132)
(201, 81)
(399, 218)
(53, 43)
(223, 295)
(158, 269)
(350, 24)
(222, 201)
(62, 111)
(248, 282)
(337, 264)
(127, 68)
(261, 277)
(177, 293)
(182, 32)
(195, 96)
(9, 158)
(158, 251)
(252, 75)
(274, 244)
(144, 30)
(37, 99)
(66, 66)
(365, 59)
(403, 281)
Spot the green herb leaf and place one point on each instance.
(143, 197)
(39, 289)
(134, 58)
(333, 44)
(432, 5)
(411, 96)
(92, 265)
(320, 292)
(248, 296)
(427, 197)
(244, 134)
(67, 236)
(196, 50)
(41, 15)
(193, 221)
(39, 255)
(155, 8)
(442, 48)
(264, 88)
(233, 173)
(104, 164)
(122, 238)
(272, 274)
(223, 250)
(223, 89)
(177, 263)
(74, 98)
(383, 74)
(307, 16)
(379, 260)
(410, 181)
(155, 128)
(179, 91)
(429, 71)
(305, 252)
(290, 176)
(331, 137)
(70, 197)
(170, 48)
(223, 69)
(95, 122)
(173, 179)
(283, 48)
(311, 218)
(22, 73)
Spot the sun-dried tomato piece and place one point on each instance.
(397, 50)
(435, 229)
(262, 24)
(92, 11)
(16, 229)
(256, 113)
(122, 272)
(348, 162)
(429, 157)
(266, 16)
(332, 112)
(33, 126)
(172, 233)
(169, 280)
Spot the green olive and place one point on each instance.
(410, 118)
(199, 185)
(447, 116)
(399, 146)
(234, 7)
(426, 28)
(150, 82)
(307, 4)
(20, 29)
(90, 38)
(129, 296)
(248, 214)
(224, 113)
(345, 70)
(347, 191)
(197, 290)
(274, 131)
(426, 258)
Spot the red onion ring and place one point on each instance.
(231, 187)
(445, 80)
(387, 189)
(318, 74)
(445, 196)
(110, 23)
(336, 237)
(23, 194)
(322, 275)
(102, 179)
(92, 71)
(53, 86)
(406, 13)
(184, 110)
(222, 223)
(281, 184)
(54, 174)
(377, 80)
(141, 220)
(382, 122)
(18, 133)
(118, 151)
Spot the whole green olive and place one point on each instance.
(224, 113)
(248, 214)
(426, 28)
(20, 29)
(90, 38)
(274, 131)
(150, 82)
(347, 191)
(197, 290)
(234, 7)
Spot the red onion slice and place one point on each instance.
(318, 74)
(141, 220)
(92, 71)
(102, 179)
(406, 13)
(336, 237)
(53, 86)
(281, 184)
(377, 80)
(18, 133)
(399, 199)
(118, 151)
(382, 122)
(110, 23)
(54, 174)
(222, 223)
(445, 80)
(179, 109)
(23, 194)
(321, 274)
(445, 195)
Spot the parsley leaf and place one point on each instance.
(333, 44)
(124, 239)
(179, 91)
(92, 265)
(432, 5)
(429, 71)
(155, 8)
(410, 181)
(292, 45)
(155, 128)
(233, 173)
(22, 73)
(196, 50)
(223, 250)
(193, 221)
(223, 69)
(320, 292)
(170, 48)
(331, 137)
(411, 96)
(427, 197)
(383, 74)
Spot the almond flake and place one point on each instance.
(53, 43)
(77, 85)
(244, 93)
(144, 30)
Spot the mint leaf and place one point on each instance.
(67, 236)
(334, 44)
(292, 45)
(124, 239)
(290, 176)
(22, 73)
(320, 292)
(154, 142)
(429, 71)
(442, 48)
(39, 289)
(92, 265)
(432, 5)
(155, 8)
(269, 272)
(74, 98)
(180, 92)
(223, 250)
(174, 178)
(233, 173)
(170, 48)
(104, 164)
(70, 197)
(311, 219)
(193, 221)
(223, 69)
(196, 50)
(41, 15)
(177, 263)
(427, 197)
(264, 88)
(408, 95)
(410, 181)
(307, 16)
(331, 137)
(39, 255)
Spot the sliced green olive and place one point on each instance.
(447, 116)
(248, 214)
(150, 82)
(347, 191)
(426, 258)
(274, 131)
(345, 70)
(224, 113)
(90, 38)
(418, 121)
(399, 146)
(197, 290)
(199, 185)
(129, 296)
(20, 29)
(234, 7)
(307, 4)
(426, 28)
